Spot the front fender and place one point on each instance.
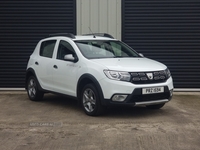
(88, 78)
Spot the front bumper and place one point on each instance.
(134, 92)
(136, 98)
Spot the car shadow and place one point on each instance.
(111, 111)
(136, 112)
(60, 101)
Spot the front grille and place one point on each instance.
(149, 97)
(148, 77)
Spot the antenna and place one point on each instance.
(92, 33)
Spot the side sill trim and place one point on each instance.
(151, 102)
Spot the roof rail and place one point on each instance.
(101, 34)
(70, 35)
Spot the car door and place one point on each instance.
(64, 72)
(44, 64)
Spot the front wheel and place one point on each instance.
(90, 101)
(157, 106)
(33, 91)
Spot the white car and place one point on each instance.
(98, 70)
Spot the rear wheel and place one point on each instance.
(33, 91)
(90, 101)
(157, 106)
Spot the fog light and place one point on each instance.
(119, 98)
(171, 92)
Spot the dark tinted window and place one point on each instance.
(47, 48)
(64, 48)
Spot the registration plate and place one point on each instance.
(153, 90)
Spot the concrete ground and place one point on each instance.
(57, 123)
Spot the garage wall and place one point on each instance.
(22, 24)
(102, 16)
(168, 31)
(165, 30)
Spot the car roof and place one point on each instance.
(80, 38)
(91, 37)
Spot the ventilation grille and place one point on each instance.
(148, 77)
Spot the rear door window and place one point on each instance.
(47, 47)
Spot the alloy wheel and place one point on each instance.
(32, 88)
(89, 100)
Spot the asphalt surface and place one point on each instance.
(58, 123)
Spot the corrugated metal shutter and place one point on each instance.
(22, 24)
(167, 31)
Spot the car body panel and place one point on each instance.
(131, 64)
(62, 76)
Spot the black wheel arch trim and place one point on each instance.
(95, 82)
(30, 70)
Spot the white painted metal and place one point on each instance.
(102, 16)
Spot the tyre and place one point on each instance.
(33, 91)
(90, 101)
(157, 106)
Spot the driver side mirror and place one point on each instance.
(70, 57)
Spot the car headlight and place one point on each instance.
(117, 75)
(168, 73)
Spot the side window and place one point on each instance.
(47, 48)
(64, 48)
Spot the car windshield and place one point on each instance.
(93, 49)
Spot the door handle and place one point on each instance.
(36, 63)
(55, 66)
